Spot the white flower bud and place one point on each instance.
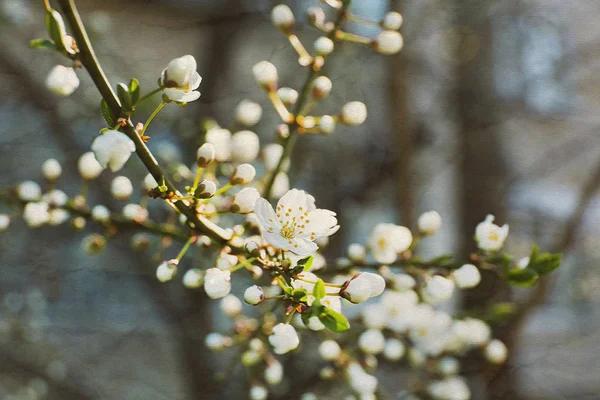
(254, 295)
(281, 185)
(243, 174)
(121, 188)
(429, 223)
(244, 146)
(206, 189)
(274, 372)
(248, 113)
(113, 149)
(36, 214)
(282, 17)
(473, 331)
(221, 141)
(215, 341)
(149, 182)
(265, 73)
(192, 279)
(167, 270)
(323, 46)
(271, 155)
(467, 276)
(205, 155)
(89, 167)
(62, 80)
(217, 283)
(376, 282)
(29, 191)
(284, 338)
(58, 216)
(327, 124)
(523, 263)
(354, 113)
(392, 21)
(489, 236)
(51, 169)
(316, 16)
(231, 305)
(329, 350)
(287, 95)
(55, 198)
(357, 252)
(357, 290)
(258, 392)
(371, 341)
(393, 350)
(388, 42)
(448, 366)
(496, 352)
(100, 214)
(179, 71)
(135, 212)
(4, 222)
(321, 87)
(244, 201)
(439, 288)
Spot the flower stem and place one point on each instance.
(196, 180)
(47, 5)
(185, 248)
(290, 316)
(151, 117)
(223, 189)
(148, 95)
(243, 264)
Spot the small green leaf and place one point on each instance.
(546, 263)
(104, 130)
(442, 260)
(501, 258)
(106, 113)
(299, 295)
(306, 262)
(134, 90)
(124, 97)
(522, 277)
(535, 251)
(319, 289)
(334, 321)
(42, 44)
(57, 31)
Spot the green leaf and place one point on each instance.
(57, 31)
(106, 114)
(104, 130)
(124, 97)
(500, 258)
(535, 251)
(319, 289)
(442, 260)
(334, 321)
(546, 263)
(42, 44)
(134, 90)
(306, 262)
(299, 295)
(522, 277)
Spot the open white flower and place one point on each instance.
(113, 149)
(387, 240)
(284, 338)
(489, 236)
(296, 224)
(180, 80)
(62, 80)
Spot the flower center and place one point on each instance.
(493, 236)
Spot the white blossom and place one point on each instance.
(284, 338)
(58, 216)
(248, 113)
(448, 366)
(281, 185)
(439, 289)
(36, 214)
(89, 168)
(231, 305)
(55, 198)
(274, 372)
(29, 191)
(403, 282)
(149, 182)
(62, 80)
(4, 222)
(135, 212)
(329, 350)
(357, 290)
(113, 149)
(271, 155)
(288, 95)
(206, 153)
(100, 213)
(327, 124)
(371, 341)
(217, 283)
(489, 236)
(354, 113)
(258, 392)
(496, 352)
(452, 388)
(51, 169)
(265, 73)
(429, 222)
(472, 331)
(215, 341)
(356, 252)
(375, 316)
(388, 42)
(167, 270)
(244, 200)
(254, 295)
(121, 187)
(192, 279)
(206, 189)
(392, 21)
(180, 80)
(361, 382)
(296, 224)
(282, 17)
(321, 87)
(244, 146)
(323, 46)
(243, 174)
(467, 276)
(394, 349)
(387, 240)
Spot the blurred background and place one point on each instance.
(490, 108)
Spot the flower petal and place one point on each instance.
(292, 205)
(277, 240)
(303, 247)
(319, 224)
